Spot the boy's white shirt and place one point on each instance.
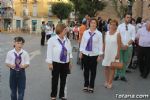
(10, 58)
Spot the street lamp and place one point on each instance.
(130, 3)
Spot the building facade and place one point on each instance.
(6, 14)
(0, 16)
(29, 14)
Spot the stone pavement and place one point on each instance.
(39, 77)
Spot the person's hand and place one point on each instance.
(70, 64)
(22, 66)
(117, 56)
(99, 58)
(124, 47)
(80, 55)
(12, 66)
(50, 66)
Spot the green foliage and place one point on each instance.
(90, 7)
(62, 10)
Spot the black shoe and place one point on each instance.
(116, 78)
(128, 71)
(143, 76)
(130, 66)
(123, 79)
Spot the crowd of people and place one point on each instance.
(99, 41)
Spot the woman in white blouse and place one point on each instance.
(90, 53)
(59, 54)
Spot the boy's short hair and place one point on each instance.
(19, 39)
(127, 14)
(94, 19)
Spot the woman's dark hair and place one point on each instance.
(108, 20)
(138, 20)
(19, 39)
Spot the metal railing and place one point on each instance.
(7, 15)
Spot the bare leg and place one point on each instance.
(106, 76)
(111, 76)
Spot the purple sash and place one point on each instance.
(90, 42)
(18, 60)
(63, 54)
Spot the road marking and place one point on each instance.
(34, 53)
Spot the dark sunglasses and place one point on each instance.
(126, 28)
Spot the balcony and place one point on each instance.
(23, 1)
(7, 15)
(25, 16)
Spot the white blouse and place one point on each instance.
(54, 50)
(97, 44)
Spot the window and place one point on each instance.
(34, 25)
(18, 24)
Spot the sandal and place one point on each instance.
(53, 98)
(105, 85)
(91, 90)
(85, 89)
(109, 86)
(63, 98)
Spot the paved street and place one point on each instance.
(39, 77)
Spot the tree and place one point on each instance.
(76, 4)
(119, 7)
(62, 10)
(122, 8)
(89, 7)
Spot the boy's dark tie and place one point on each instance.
(18, 60)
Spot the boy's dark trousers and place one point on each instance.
(90, 67)
(17, 84)
(42, 38)
(59, 71)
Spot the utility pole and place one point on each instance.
(130, 4)
(142, 2)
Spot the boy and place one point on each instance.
(17, 60)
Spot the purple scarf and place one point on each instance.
(18, 60)
(63, 54)
(90, 42)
